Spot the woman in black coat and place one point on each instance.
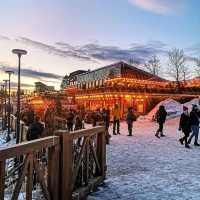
(161, 117)
(185, 126)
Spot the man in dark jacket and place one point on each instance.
(70, 120)
(194, 117)
(130, 118)
(35, 130)
(160, 117)
(185, 126)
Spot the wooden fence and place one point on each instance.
(27, 152)
(76, 164)
(23, 128)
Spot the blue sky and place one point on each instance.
(65, 35)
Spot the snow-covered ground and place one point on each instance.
(144, 167)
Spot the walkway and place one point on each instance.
(146, 168)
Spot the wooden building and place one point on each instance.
(118, 83)
(126, 85)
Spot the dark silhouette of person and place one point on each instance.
(130, 118)
(185, 126)
(35, 130)
(160, 118)
(194, 117)
(70, 120)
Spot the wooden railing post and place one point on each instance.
(21, 131)
(2, 179)
(54, 171)
(66, 165)
(101, 152)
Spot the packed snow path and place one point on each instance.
(143, 167)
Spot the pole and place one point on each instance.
(9, 110)
(2, 106)
(5, 109)
(18, 99)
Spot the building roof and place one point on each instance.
(77, 72)
(120, 69)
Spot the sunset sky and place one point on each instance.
(65, 35)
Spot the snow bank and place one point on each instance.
(189, 104)
(172, 107)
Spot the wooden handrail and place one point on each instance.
(71, 157)
(84, 132)
(27, 147)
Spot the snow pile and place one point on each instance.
(189, 104)
(172, 107)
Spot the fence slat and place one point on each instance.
(66, 165)
(29, 183)
(2, 179)
(101, 152)
(20, 179)
(53, 172)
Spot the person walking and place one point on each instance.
(35, 130)
(194, 116)
(116, 119)
(49, 120)
(78, 122)
(106, 120)
(94, 118)
(70, 120)
(130, 118)
(185, 126)
(161, 117)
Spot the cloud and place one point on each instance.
(29, 72)
(164, 7)
(95, 52)
(68, 52)
(2, 37)
(139, 53)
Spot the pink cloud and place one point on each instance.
(164, 7)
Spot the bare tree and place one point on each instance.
(198, 66)
(177, 66)
(153, 65)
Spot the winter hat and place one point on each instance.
(185, 108)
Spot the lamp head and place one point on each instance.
(5, 81)
(9, 72)
(19, 51)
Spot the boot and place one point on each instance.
(187, 146)
(196, 144)
(181, 141)
(157, 135)
(162, 135)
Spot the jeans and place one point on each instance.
(130, 128)
(195, 133)
(160, 129)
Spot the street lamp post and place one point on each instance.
(9, 104)
(19, 53)
(5, 104)
(2, 103)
